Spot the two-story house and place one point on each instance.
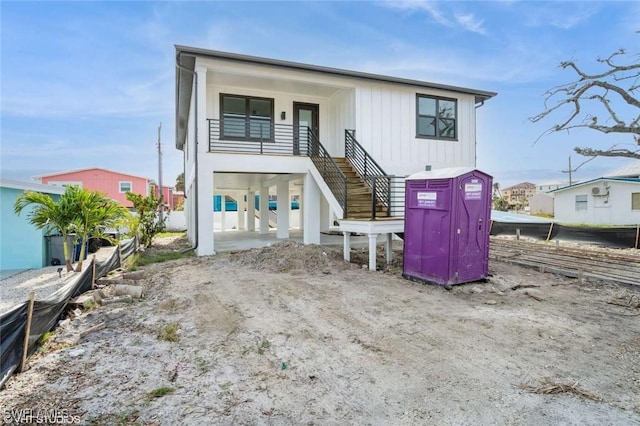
(339, 140)
(113, 184)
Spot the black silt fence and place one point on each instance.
(47, 312)
(617, 237)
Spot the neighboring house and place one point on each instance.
(114, 184)
(541, 204)
(631, 170)
(545, 187)
(602, 201)
(518, 195)
(22, 246)
(334, 138)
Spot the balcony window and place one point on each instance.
(125, 186)
(246, 117)
(436, 117)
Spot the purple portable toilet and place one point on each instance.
(446, 226)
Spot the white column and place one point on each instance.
(311, 212)
(205, 174)
(389, 247)
(205, 213)
(325, 214)
(264, 210)
(241, 204)
(223, 212)
(282, 208)
(301, 210)
(372, 251)
(346, 246)
(251, 211)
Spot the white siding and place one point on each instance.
(614, 209)
(386, 128)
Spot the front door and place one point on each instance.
(305, 119)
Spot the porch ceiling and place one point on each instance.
(243, 181)
(274, 84)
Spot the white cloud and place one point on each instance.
(470, 23)
(430, 7)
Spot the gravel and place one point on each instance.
(44, 281)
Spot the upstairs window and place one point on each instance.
(635, 201)
(436, 118)
(125, 186)
(246, 117)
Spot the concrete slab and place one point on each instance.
(245, 240)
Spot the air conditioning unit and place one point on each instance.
(595, 190)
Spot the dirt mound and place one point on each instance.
(294, 258)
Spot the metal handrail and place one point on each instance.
(374, 177)
(329, 169)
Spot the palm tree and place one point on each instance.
(95, 213)
(50, 215)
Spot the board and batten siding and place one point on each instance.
(386, 128)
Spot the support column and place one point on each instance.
(325, 215)
(251, 211)
(301, 210)
(388, 246)
(205, 174)
(282, 208)
(346, 246)
(240, 211)
(311, 212)
(223, 212)
(205, 213)
(264, 210)
(372, 251)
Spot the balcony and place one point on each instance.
(257, 136)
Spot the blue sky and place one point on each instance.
(86, 84)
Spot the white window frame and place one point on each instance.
(125, 182)
(583, 202)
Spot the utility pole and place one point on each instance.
(571, 170)
(160, 172)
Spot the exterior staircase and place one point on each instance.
(359, 195)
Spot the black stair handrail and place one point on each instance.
(371, 173)
(328, 169)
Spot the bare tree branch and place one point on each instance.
(603, 91)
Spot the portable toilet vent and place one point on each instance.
(446, 226)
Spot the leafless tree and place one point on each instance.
(613, 92)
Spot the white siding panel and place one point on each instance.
(386, 128)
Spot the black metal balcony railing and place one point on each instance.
(257, 137)
(242, 136)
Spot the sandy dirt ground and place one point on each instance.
(291, 334)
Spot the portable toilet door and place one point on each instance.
(472, 217)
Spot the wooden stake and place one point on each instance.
(93, 272)
(550, 229)
(119, 254)
(637, 235)
(27, 332)
(490, 226)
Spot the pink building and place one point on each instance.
(114, 184)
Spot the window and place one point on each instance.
(635, 201)
(436, 117)
(246, 117)
(125, 186)
(581, 202)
